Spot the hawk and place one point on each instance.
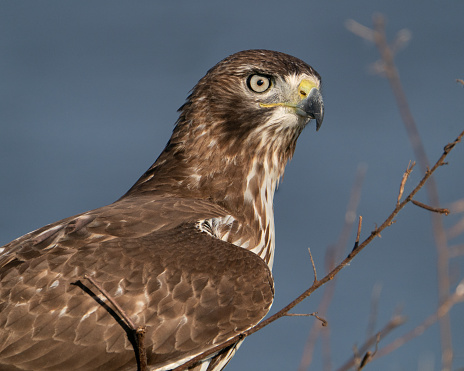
(187, 252)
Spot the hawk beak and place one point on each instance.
(313, 106)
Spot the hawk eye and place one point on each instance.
(259, 83)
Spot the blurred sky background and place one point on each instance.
(89, 93)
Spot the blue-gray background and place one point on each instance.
(89, 93)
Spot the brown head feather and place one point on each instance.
(217, 136)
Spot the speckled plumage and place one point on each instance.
(186, 252)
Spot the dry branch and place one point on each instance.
(430, 208)
(404, 179)
(389, 70)
(323, 320)
(394, 323)
(442, 311)
(328, 277)
(358, 233)
(368, 356)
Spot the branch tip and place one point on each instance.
(430, 208)
(403, 181)
(358, 234)
(324, 321)
(314, 266)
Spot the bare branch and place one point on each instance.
(404, 179)
(369, 355)
(314, 266)
(394, 322)
(324, 321)
(430, 208)
(360, 30)
(331, 275)
(442, 310)
(401, 40)
(358, 233)
(398, 320)
(391, 72)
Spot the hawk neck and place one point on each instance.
(242, 183)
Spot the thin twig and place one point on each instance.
(358, 29)
(390, 71)
(441, 243)
(430, 208)
(369, 355)
(324, 321)
(314, 266)
(442, 310)
(404, 179)
(394, 323)
(331, 275)
(358, 233)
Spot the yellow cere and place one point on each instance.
(305, 87)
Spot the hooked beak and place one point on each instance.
(312, 106)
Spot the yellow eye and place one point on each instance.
(259, 83)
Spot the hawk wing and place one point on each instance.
(192, 291)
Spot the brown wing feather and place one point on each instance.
(190, 289)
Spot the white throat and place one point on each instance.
(261, 184)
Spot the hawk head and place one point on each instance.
(243, 116)
(251, 96)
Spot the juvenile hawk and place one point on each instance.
(186, 252)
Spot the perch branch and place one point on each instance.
(331, 275)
